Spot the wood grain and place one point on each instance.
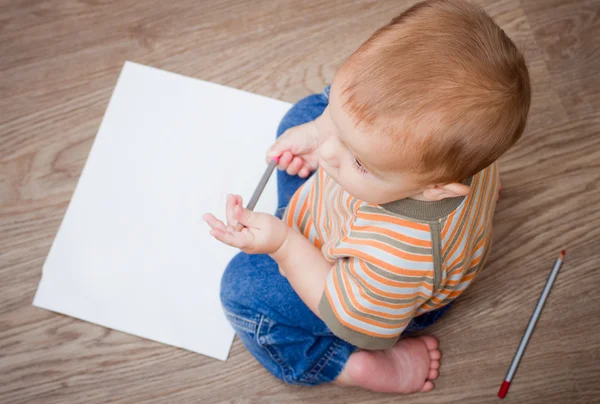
(59, 61)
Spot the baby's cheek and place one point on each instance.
(361, 189)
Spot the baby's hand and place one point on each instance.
(296, 150)
(262, 234)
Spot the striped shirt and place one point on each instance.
(395, 261)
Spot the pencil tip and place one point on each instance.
(563, 252)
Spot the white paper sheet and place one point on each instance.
(132, 252)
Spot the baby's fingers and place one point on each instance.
(232, 202)
(284, 160)
(214, 223)
(238, 239)
(304, 172)
(295, 166)
(227, 234)
(225, 237)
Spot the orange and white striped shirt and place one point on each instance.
(395, 261)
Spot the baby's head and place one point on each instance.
(429, 100)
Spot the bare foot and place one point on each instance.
(409, 366)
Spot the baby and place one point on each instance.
(395, 219)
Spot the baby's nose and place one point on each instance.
(328, 153)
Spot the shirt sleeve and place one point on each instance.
(368, 301)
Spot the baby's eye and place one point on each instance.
(360, 167)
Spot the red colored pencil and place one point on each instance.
(530, 327)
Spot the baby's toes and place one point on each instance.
(434, 365)
(433, 374)
(428, 386)
(435, 355)
(430, 342)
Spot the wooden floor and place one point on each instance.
(59, 61)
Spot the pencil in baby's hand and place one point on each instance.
(260, 188)
(534, 318)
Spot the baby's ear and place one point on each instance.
(452, 190)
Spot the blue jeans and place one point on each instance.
(278, 329)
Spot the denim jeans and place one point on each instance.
(278, 329)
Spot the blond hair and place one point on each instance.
(446, 83)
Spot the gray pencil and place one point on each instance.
(532, 322)
(259, 189)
